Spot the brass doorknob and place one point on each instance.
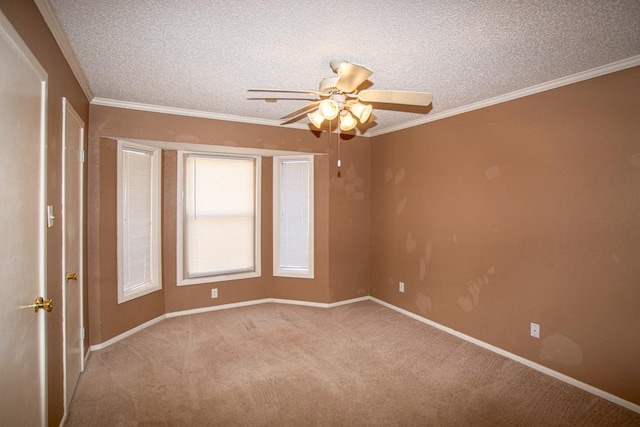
(41, 303)
(71, 276)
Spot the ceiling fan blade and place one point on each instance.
(420, 99)
(301, 111)
(351, 76)
(310, 92)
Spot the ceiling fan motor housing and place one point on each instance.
(336, 63)
(328, 85)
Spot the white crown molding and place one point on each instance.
(63, 42)
(553, 84)
(105, 102)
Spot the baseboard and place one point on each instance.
(216, 308)
(555, 374)
(127, 333)
(86, 358)
(348, 301)
(545, 370)
(318, 304)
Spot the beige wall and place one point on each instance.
(26, 19)
(341, 217)
(527, 211)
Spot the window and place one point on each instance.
(218, 218)
(138, 220)
(293, 216)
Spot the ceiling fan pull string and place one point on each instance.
(339, 152)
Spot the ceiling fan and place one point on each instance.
(339, 97)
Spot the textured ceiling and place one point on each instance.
(203, 55)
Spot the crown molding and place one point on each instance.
(553, 84)
(105, 102)
(60, 36)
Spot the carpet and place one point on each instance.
(360, 364)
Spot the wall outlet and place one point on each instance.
(535, 330)
(401, 287)
(214, 293)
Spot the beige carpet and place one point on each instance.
(356, 365)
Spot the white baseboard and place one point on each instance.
(348, 301)
(127, 333)
(545, 370)
(555, 374)
(216, 308)
(296, 302)
(317, 304)
(86, 359)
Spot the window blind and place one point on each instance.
(137, 212)
(219, 215)
(294, 214)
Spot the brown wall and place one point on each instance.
(520, 212)
(349, 213)
(339, 220)
(527, 211)
(26, 19)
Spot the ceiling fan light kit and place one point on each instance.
(329, 109)
(339, 97)
(347, 121)
(316, 118)
(361, 111)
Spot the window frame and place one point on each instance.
(278, 270)
(155, 284)
(257, 272)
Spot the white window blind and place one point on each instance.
(219, 216)
(138, 221)
(293, 219)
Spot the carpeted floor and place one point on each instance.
(356, 365)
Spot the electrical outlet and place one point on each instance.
(401, 287)
(535, 330)
(214, 293)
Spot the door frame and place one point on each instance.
(13, 37)
(69, 112)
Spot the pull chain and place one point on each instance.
(339, 153)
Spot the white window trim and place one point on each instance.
(181, 281)
(277, 269)
(156, 268)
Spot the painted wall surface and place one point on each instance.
(527, 211)
(349, 213)
(28, 22)
(108, 318)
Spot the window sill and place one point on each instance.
(220, 278)
(298, 274)
(139, 293)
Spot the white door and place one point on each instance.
(22, 232)
(72, 183)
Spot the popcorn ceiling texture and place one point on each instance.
(204, 55)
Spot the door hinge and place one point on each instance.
(81, 156)
(82, 333)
